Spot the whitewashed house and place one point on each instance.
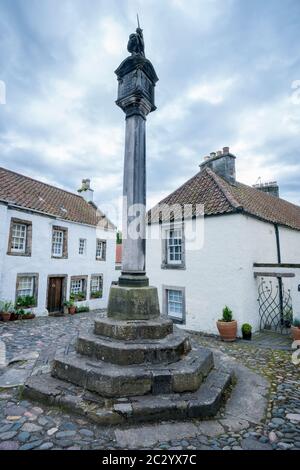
(249, 250)
(53, 243)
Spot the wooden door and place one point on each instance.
(55, 294)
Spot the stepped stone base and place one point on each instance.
(133, 366)
(110, 380)
(204, 403)
(171, 348)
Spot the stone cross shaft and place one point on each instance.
(137, 80)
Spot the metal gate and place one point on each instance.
(275, 305)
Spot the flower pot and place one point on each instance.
(295, 333)
(247, 336)
(29, 316)
(14, 317)
(227, 330)
(6, 316)
(72, 310)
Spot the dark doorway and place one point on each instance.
(55, 294)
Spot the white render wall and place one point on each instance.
(221, 271)
(41, 262)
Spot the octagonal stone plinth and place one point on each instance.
(133, 303)
(171, 348)
(133, 329)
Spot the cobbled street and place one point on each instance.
(25, 425)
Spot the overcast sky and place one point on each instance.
(229, 76)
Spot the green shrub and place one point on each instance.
(227, 314)
(6, 306)
(26, 301)
(246, 328)
(83, 308)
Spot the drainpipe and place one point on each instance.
(280, 284)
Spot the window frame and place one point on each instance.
(64, 231)
(167, 263)
(93, 276)
(166, 290)
(104, 249)
(35, 286)
(84, 252)
(27, 239)
(84, 290)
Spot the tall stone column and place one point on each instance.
(137, 79)
(133, 299)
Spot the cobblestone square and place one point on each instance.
(25, 425)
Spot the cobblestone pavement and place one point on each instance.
(25, 425)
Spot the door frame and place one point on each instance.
(64, 288)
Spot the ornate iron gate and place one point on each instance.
(275, 306)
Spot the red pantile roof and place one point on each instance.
(220, 197)
(25, 192)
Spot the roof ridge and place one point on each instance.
(41, 182)
(220, 183)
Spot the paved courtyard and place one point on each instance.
(25, 425)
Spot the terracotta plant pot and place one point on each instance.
(5, 316)
(227, 330)
(295, 333)
(14, 317)
(30, 316)
(72, 310)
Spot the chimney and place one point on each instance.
(85, 191)
(222, 163)
(269, 188)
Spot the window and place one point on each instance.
(101, 250)
(96, 288)
(173, 248)
(59, 242)
(174, 303)
(27, 290)
(18, 242)
(25, 286)
(82, 246)
(78, 288)
(174, 242)
(20, 238)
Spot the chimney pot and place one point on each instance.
(219, 153)
(86, 192)
(212, 154)
(226, 150)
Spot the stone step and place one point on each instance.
(203, 404)
(168, 349)
(133, 330)
(111, 380)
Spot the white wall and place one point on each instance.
(42, 263)
(221, 271)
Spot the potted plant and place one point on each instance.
(227, 326)
(295, 330)
(26, 314)
(247, 331)
(6, 309)
(27, 301)
(71, 306)
(96, 294)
